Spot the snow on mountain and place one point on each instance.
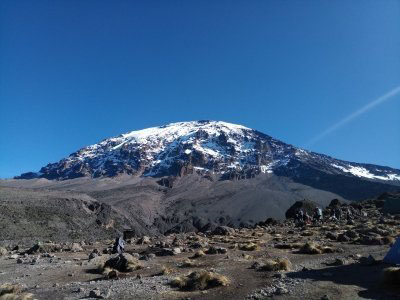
(204, 147)
(363, 172)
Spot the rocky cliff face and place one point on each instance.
(209, 148)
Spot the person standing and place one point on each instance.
(119, 245)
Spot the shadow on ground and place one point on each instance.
(368, 277)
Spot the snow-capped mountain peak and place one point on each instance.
(204, 147)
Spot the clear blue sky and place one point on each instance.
(75, 72)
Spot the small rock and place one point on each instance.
(257, 265)
(106, 293)
(76, 247)
(176, 250)
(95, 294)
(167, 252)
(216, 250)
(281, 291)
(280, 275)
(93, 255)
(332, 236)
(368, 261)
(339, 262)
(143, 240)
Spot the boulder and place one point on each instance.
(351, 234)
(332, 235)
(343, 238)
(95, 253)
(223, 230)
(169, 251)
(143, 240)
(216, 250)
(335, 203)
(306, 205)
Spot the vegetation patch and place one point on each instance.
(199, 280)
(197, 254)
(276, 264)
(122, 263)
(249, 247)
(187, 263)
(313, 248)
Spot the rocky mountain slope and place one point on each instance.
(186, 176)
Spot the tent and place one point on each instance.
(393, 256)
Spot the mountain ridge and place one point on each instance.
(205, 147)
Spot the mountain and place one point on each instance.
(204, 147)
(185, 176)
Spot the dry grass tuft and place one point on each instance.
(391, 276)
(249, 247)
(197, 254)
(199, 280)
(187, 263)
(110, 273)
(234, 246)
(122, 263)
(276, 264)
(313, 248)
(3, 251)
(164, 270)
(246, 256)
(310, 248)
(307, 233)
(13, 292)
(327, 250)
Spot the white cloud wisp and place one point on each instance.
(389, 95)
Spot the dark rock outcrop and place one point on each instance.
(306, 205)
